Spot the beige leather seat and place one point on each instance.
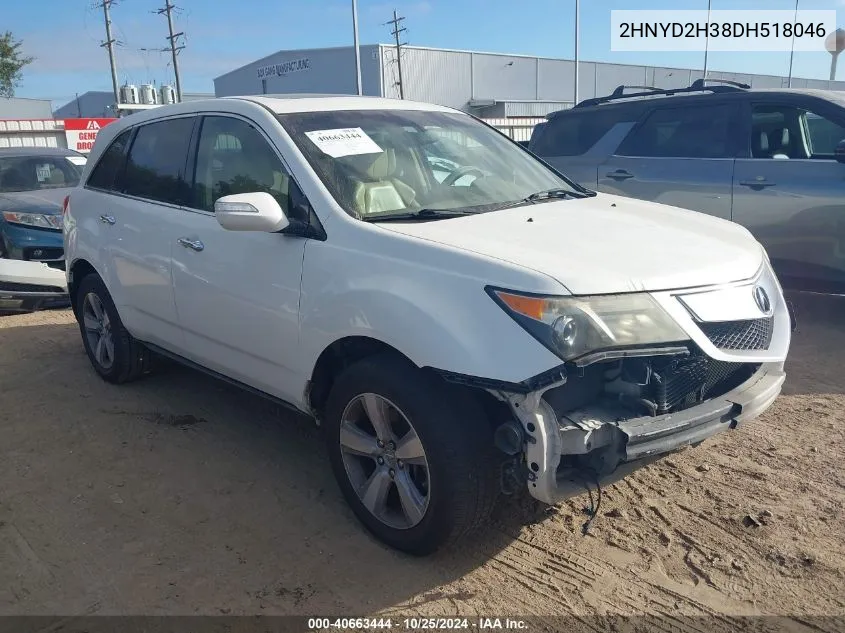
(375, 187)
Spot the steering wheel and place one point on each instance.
(459, 173)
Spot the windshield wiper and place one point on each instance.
(422, 214)
(548, 194)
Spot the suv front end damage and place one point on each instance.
(611, 412)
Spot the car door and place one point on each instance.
(138, 227)
(789, 190)
(678, 155)
(576, 143)
(237, 293)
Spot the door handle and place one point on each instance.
(107, 219)
(194, 245)
(757, 184)
(620, 174)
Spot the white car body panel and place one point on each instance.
(239, 315)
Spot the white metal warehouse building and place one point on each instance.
(486, 84)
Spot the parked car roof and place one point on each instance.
(37, 151)
(648, 101)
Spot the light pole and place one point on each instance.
(357, 48)
(792, 51)
(707, 39)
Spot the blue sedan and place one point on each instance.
(33, 184)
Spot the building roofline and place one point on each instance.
(290, 50)
(509, 55)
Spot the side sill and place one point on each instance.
(236, 383)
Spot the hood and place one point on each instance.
(41, 201)
(606, 244)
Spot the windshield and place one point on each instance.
(381, 163)
(33, 172)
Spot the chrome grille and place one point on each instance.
(751, 334)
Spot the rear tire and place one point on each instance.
(448, 484)
(115, 355)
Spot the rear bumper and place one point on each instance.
(558, 452)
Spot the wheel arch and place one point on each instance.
(336, 357)
(80, 269)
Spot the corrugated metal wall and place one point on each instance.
(454, 78)
(442, 77)
(16, 108)
(330, 70)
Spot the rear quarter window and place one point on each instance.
(105, 173)
(574, 134)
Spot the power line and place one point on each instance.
(396, 21)
(109, 44)
(174, 48)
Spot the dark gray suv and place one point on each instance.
(766, 159)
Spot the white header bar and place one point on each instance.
(725, 31)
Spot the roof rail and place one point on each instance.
(699, 84)
(648, 91)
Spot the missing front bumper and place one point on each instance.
(609, 446)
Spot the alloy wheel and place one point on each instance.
(98, 331)
(385, 461)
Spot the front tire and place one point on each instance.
(413, 455)
(115, 355)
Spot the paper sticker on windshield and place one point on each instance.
(344, 142)
(42, 172)
(77, 160)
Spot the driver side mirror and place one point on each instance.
(839, 152)
(256, 211)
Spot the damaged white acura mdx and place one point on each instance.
(460, 318)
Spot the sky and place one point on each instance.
(64, 36)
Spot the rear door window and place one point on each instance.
(574, 134)
(686, 132)
(155, 168)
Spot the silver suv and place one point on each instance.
(766, 159)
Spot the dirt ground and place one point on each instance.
(181, 495)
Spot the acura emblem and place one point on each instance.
(761, 298)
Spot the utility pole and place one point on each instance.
(174, 49)
(577, 47)
(396, 21)
(109, 44)
(357, 48)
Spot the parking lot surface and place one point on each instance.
(181, 495)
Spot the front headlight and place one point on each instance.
(40, 220)
(575, 326)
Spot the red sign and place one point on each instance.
(81, 133)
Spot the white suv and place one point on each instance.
(459, 318)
